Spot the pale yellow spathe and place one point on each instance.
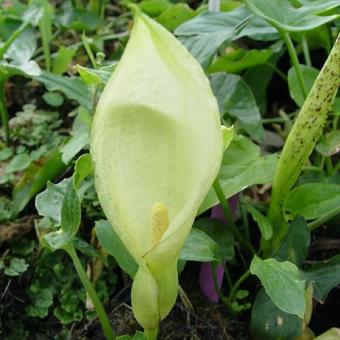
(157, 147)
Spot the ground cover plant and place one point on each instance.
(169, 169)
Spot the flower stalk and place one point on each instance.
(304, 134)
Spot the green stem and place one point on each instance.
(115, 36)
(91, 291)
(295, 61)
(312, 168)
(89, 51)
(305, 50)
(304, 134)
(229, 217)
(278, 71)
(336, 168)
(151, 334)
(228, 277)
(4, 112)
(320, 221)
(335, 123)
(225, 300)
(322, 162)
(45, 46)
(237, 285)
(245, 218)
(273, 120)
(214, 5)
(329, 166)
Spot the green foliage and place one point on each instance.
(41, 299)
(242, 166)
(110, 241)
(330, 145)
(313, 200)
(14, 266)
(283, 284)
(294, 246)
(283, 15)
(240, 60)
(236, 100)
(262, 221)
(72, 87)
(309, 74)
(223, 237)
(269, 322)
(206, 33)
(325, 276)
(199, 247)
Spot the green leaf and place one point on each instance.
(139, 336)
(220, 234)
(16, 267)
(284, 16)
(330, 145)
(62, 60)
(154, 7)
(94, 77)
(68, 317)
(199, 247)
(259, 85)
(313, 200)
(70, 219)
(270, 323)
(18, 163)
(111, 243)
(204, 34)
(294, 246)
(33, 14)
(283, 284)
(40, 301)
(175, 15)
(50, 201)
(309, 74)
(235, 99)
(324, 276)
(35, 178)
(242, 166)
(29, 69)
(22, 48)
(74, 146)
(86, 248)
(54, 99)
(5, 154)
(72, 87)
(320, 6)
(79, 19)
(263, 223)
(240, 60)
(82, 169)
(211, 22)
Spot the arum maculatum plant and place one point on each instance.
(303, 136)
(157, 147)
